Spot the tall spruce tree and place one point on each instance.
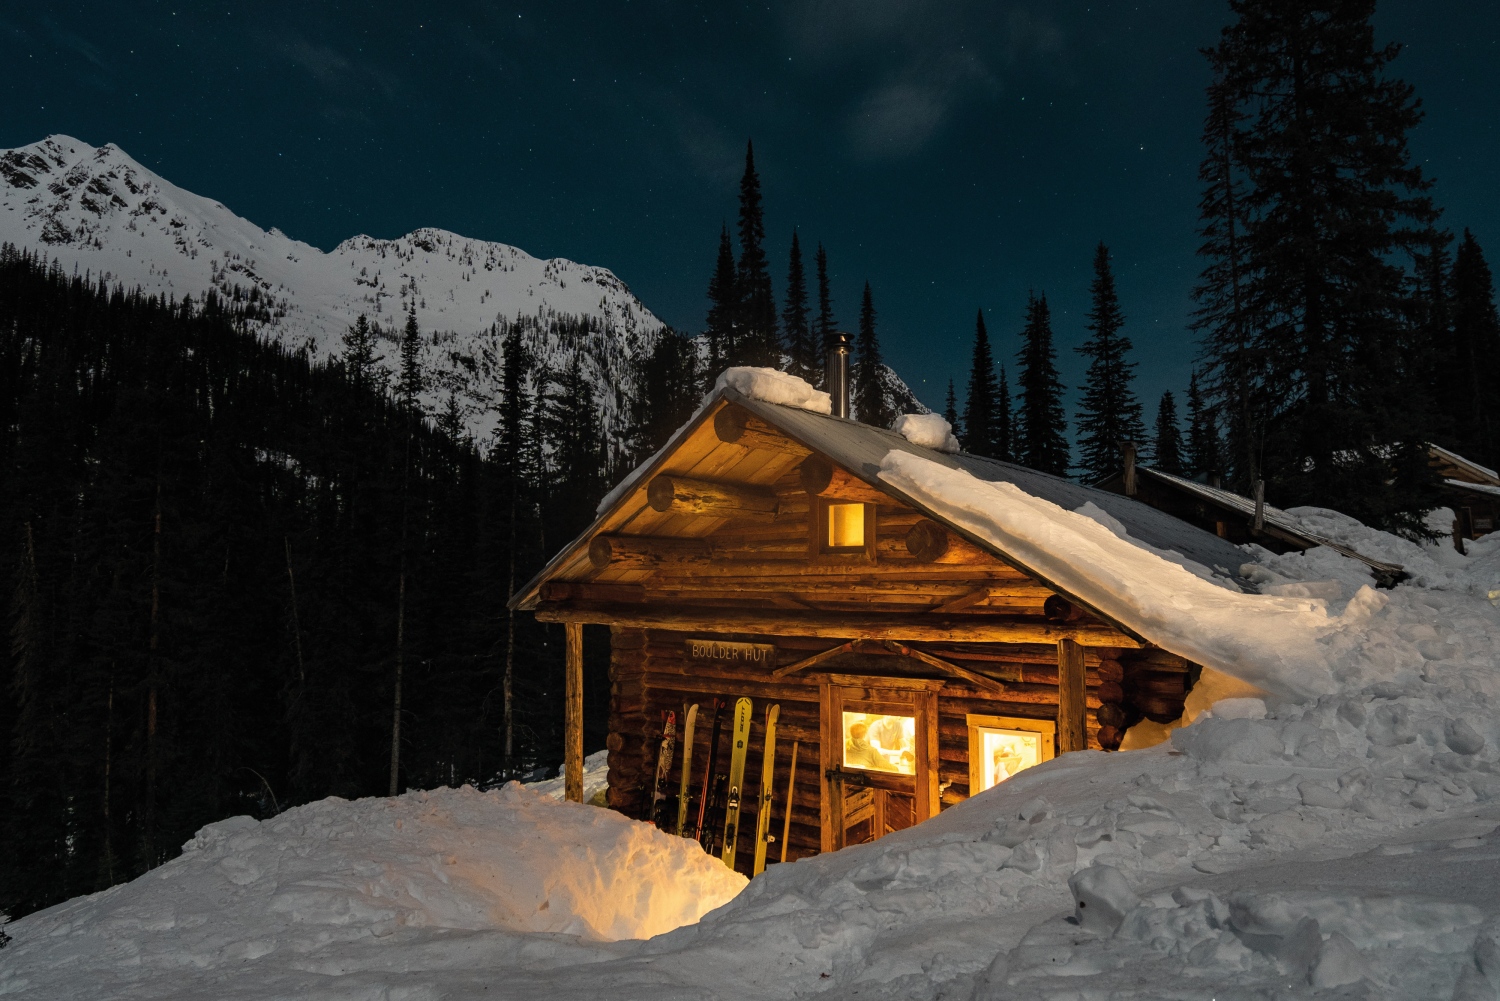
(361, 363)
(981, 420)
(723, 310)
(758, 341)
(1109, 413)
(1225, 317)
(666, 393)
(1041, 432)
(1166, 449)
(511, 458)
(950, 412)
(1204, 459)
(826, 324)
(1475, 352)
(803, 355)
(1333, 213)
(1005, 436)
(870, 400)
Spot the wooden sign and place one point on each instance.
(763, 654)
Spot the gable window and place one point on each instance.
(846, 526)
(841, 529)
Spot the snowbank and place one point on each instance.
(775, 387)
(336, 873)
(595, 780)
(927, 430)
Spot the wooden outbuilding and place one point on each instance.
(1471, 490)
(759, 555)
(1231, 516)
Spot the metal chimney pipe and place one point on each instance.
(1128, 448)
(1259, 524)
(836, 372)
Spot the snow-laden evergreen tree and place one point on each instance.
(980, 416)
(870, 403)
(758, 343)
(1204, 459)
(1329, 221)
(1109, 413)
(723, 310)
(950, 412)
(1166, 449)
(1475, 353)
(803, 354)
(1041, 440)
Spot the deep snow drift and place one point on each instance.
(1334, 844)
(310, 889)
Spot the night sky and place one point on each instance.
(953, 154)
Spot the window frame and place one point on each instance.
(817, 544)
(978, 722)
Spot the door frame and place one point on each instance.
(916, 697)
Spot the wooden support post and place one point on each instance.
(573, 713)
(1071, 696)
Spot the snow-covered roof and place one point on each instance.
(1478, 473)
(1478, 488)
(861, 449)
(1277, 520)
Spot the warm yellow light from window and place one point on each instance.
(879, 743)
(846, 526)
(1002, 753)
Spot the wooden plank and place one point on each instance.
(1072, 698)
(817, 658)
(573, 712)
(830, 814)
(835, 625)
(962, 602)
(929, 800)
(948, 667)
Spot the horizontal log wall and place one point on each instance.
(651, 672)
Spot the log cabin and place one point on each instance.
(759, 555)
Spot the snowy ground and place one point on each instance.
(1341, 839)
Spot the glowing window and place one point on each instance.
(1001, 746)
(846, 526)
(879, 743)
(1002, 753)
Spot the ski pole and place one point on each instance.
(791, 784)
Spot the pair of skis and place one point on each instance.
(734, 795)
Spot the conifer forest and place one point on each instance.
(237, 579)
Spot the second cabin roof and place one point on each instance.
(696, 451)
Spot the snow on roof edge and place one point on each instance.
(1267, 640)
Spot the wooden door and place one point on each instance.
(879, 759)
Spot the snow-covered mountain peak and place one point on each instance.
(99, 210)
